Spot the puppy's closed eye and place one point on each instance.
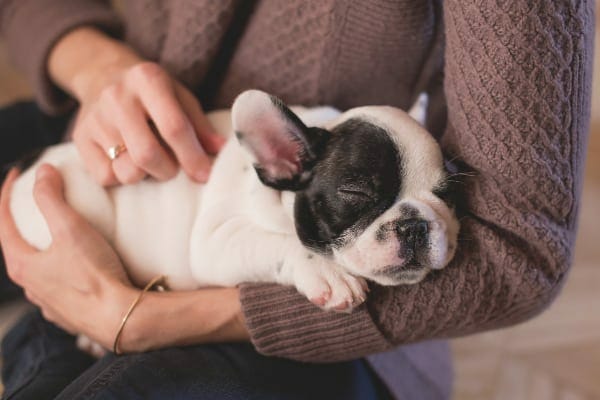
(355, 193)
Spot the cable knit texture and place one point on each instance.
(517, 85)
(32, 27)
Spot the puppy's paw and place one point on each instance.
(329, 288)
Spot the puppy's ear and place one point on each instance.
(284, 149)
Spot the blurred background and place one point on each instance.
(556, 356)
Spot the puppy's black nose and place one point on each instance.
(413, 232)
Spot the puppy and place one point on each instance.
(312, 198)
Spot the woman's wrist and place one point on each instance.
(85, 60)
(115, 297)
(183, 318)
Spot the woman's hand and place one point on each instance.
(80, 284)
(125, 100)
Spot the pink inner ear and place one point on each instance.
(268, 134)
(271, 140)
(278, 159)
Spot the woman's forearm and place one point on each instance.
(85, 60)
(181, 318)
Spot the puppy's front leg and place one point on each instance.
(238, 251)
(325, 283)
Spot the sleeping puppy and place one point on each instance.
(312, 198)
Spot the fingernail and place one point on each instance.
(202, 175)
(42, 172)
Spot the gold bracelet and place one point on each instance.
(150, 285)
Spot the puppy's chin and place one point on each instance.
(408, 276)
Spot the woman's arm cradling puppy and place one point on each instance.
(79, 283)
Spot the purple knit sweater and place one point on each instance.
(510, 83)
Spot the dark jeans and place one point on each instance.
(41, 362)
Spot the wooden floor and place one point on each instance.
(553, 357)
(557, 355)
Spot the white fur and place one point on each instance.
(422, 170)
(231, 230)
(234, 229)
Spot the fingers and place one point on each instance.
(11, 239)
(159, 98)
(123, 169)
(210, 140)
(91, 141)
(126, 171)
(97, 163)
(14, 248)
(120, 115)
(142, 145)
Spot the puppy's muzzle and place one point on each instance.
(414, 235)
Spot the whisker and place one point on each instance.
(453, 159)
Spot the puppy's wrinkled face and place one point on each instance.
(368, 189)
(355, 180)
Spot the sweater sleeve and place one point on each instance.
(32, 27)
(518, 88)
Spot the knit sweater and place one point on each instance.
(510, 84)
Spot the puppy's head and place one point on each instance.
(371, 189)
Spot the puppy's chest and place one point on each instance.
(161, 226)
(234, 190)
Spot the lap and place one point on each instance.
(40, 360)
(216, 371)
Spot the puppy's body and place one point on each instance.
(154, 224)
(318, 232)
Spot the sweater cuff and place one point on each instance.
(32, 27)
(284, 323)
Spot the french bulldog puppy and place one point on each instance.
(314, 198)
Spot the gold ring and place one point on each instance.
(114, 151)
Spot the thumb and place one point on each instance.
(49, 196)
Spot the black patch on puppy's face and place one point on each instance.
(356, 179)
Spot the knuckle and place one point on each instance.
(87, 127)
(146, 71)
(112, 93)
(176, 129)
(145, 154)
